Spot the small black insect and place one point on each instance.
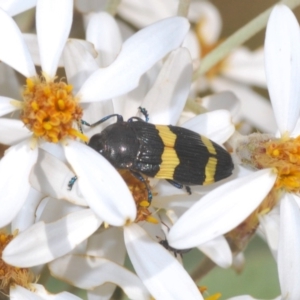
(178, 155)
(175, 251)
(166, 245)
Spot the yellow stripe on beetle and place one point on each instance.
(210, 170)
(169, 156)
(209, 145)
(167, 136)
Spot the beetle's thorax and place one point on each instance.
(118, 144)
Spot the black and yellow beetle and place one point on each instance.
(178, 155)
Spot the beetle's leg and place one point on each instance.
(175, 183)
(71, 182)
(144, 112)
(119, 119)
(142, 179)
(179, 185)
(188, 189)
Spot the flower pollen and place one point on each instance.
(203, 291)
(50, 110)
(10, 275)
(140, 195)
(263, 151)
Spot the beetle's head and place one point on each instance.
(97, 142)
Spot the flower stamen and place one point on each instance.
(50, 110)
(10, 275)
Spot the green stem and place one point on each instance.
(239, 37)
(183, 8)
(204, 268)
(112, 7)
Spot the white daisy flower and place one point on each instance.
(49, 109)
(165, 101)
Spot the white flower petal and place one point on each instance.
(13, 50)
(128, 104)
(143, 13)
(15, 168)
(165, 101)
(51, 177)
(270, 225)
(296, 130)
(24, 251)
(223, 100)
(93, 112)
(26, 215)
(13, 131)
(139, 53)
(289, 247)
(210, 18)
(89, 6)
(101, 185)
(79, 63)
(261, 117)
(215, 125)
(20, 293)
(161, 273)
(108, 244)
(9, 84)
(44, 294)
(246, 66)
(53, 24)
(282, 48)
(103, 292)
(169, 196)
(56, 150)
(238, 262)
(104, 33)
(51, 209)
(15, 7)
(33, 47)
(6, 106)
(88, 272)
(218, 251)
(221, 210)
(191, 42)
(31, 41)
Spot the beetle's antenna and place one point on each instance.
(144, 112)
(119, 119)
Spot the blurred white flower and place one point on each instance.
(241, 70)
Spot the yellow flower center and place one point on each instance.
(10, 275)
(50, 110)
(283, 154)
(140, 196)
(262, 151)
